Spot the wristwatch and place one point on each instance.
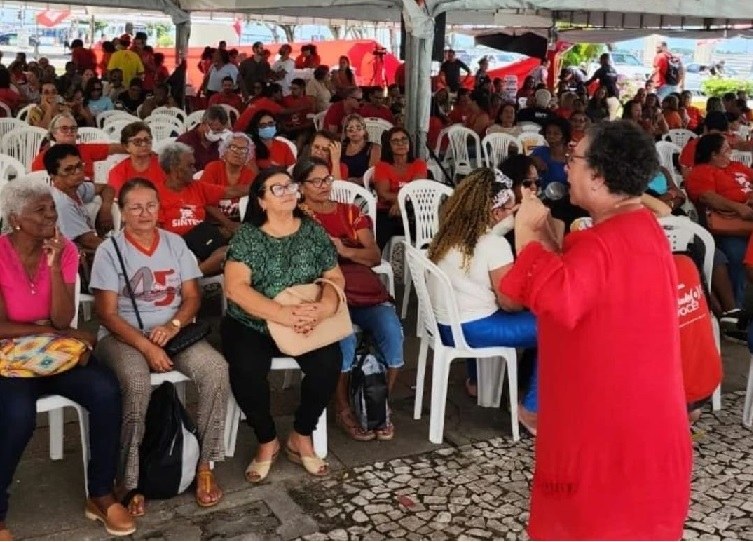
(175, 323)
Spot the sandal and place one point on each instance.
(205, 482)
(471, 388)
(134, 503)
(258, 470)
(386, 432)
(352, 428)
(314, 465)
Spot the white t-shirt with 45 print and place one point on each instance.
(474, 292)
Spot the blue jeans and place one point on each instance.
(734, 248)
(93, 387)
(382, 322)
(665, 90)
(510, 329)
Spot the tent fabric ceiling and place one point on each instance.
(596, 35)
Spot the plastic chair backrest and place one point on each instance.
(745, 157)
(6, 109)
(159, 145)
(242, 206)
(375, 127)
(348, 192)
(319, 119)
(179, 125)
(170, 111)
(680, 136)
(194, 119)
(232, 112)
(102, 116)
(367, 176)
(666, 151)
(23, 144)
(10, 123)
(680, 231)
(91, 135)
(497, 147)
(10, 166)
(458, 147)
(426, 196)
(162, 130)
(529, 127)
(290, 144)
(23, 113)
(38, 176)
(530, 140)
(113, 128)
(117, 116)
(102, 167)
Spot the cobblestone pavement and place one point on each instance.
(480, 491)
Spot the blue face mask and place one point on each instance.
(268, 132)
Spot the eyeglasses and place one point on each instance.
(279, 190)
(532, 182)
(150, 208)
(572, 157)
(236, 148)
(72, 169)
(400, 141)
(355, 128)
(267, 124)
(321, 182)
(67, 129)
(140, 141)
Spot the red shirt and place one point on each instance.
(661, 61)
(257, 105)
(279, 155)
(371, 110)
(732, 182)
(335, 116)
(202, 154)
(84, 59)
(386, 173)
(10, 98)
(232, 99)
(303, 62)
(694, 114)
(459, 115)
(90, 153)
(180, 212)
(216, 174)
(299, 117)
(344, 222)
(124, 171)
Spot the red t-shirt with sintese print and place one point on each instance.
(124, 171)
(216, 174)
(344, 222)
(732, 182)
(180, 212)
(387, 173)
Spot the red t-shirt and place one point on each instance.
(90, 153)
(335, 116)
(233, 100)
(732, 182)
(262, 103)
(10, 98)
(216, 174)
(370, 110)
(386, 173)
(687, 156)
(661, 61)
(125, 171)
(459, 115)
(344, 222)
(299, 117)
(694, 114)
(279, 155)
(180, 212)
(84, 59)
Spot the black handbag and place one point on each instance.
(203, 239)
(187, 336)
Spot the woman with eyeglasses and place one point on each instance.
(236, 167)
(269, 150)
(64, 129)
(359, 154)
(94, 99)
(471, 248)
(276, 247)
(49, 106)
(352, 233)
(397, 168)
(141, 162)
(163, 275)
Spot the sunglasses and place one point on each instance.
(400, 141)
(530, 183)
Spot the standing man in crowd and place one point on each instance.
(125, 60)
(254, 69)
(668, 71)
(450, 70)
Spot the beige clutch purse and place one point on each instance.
(331, 330)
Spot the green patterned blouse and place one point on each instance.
(279, 262)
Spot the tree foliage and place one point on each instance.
(582, 53)
(719, 87)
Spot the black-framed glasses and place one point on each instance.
(400, 141)
(72, 169)
(140, 141)
(279, 190)
(320, 182)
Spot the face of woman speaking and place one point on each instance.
(37, 218)
(579, 175)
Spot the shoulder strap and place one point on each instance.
(128, 284)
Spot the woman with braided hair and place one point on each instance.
(471, 249)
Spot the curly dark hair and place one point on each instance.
(516, 167)
(708, 145)
(624, 154)
(560, 123)
(254, 213)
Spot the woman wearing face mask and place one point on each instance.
(471, 249)
(269, 150)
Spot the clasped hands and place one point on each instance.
(304, 317)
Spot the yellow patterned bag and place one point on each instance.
(41, 355)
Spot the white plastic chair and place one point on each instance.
(194, 119)
(426, 196)
(491, 371)
(496, 148)
(23, 113)
(102, 116)
(92, 135)
(54, 405)
(743, 132)
(10, 123)
(680, 136)
(232, 112)
(367, 176)
(666, 151)
(171, 111)
(242, 206)
(527, 141)
(23, 144)
(375, 127)
(745, 157)
(41, 175)
(113, 128)
(177, 125)
(458, 150)
(347, 192)
(5, 108)
(681, 231)
(102, 167)
(235, 415)
(319, 120)
(161, 130)
(290, 144)
(115, 116)
(10, 167)
(529, 126)
(159, 145)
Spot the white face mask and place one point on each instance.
(504, 226)
(217, 136)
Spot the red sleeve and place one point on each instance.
(211, 193)
(359, 220)
(344, 171)
(418, 170)
(214, 98)
(700, 180)
(117, 176)
(38, 163)
(94, 152)
(210, 175)
(289, 156)
(242, 123)
(564, 287)
(274, 108)
(687, 156)
(382, 173)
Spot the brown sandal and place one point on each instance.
(134, 502)
(5, 534)
(205, 481)
(352, 428)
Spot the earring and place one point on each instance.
(17, 228)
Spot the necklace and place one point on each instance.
(30, 277)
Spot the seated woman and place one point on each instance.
(183, 203)
(351, 232)
(94, 99)
(269, 150)
(504, 123)
(48, 107)
(63, 129)
(276, 247)
(359, 154)
(579, 123)
(236, 167)
(397, 168)
(141, 162)
(598, 107)
(163, 275)
(326, 146)
(719, 184)
(550, 159)
(471, 249)
(671, 111)
(37, 279)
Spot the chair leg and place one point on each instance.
(748, 408)
(406, 292)
(439, 378)
(86, 309)
(716, 399)
(423, 351)
(512, 382)
(320, 436)
(232, 422)
(83, 425)
(288, 378)
(491, 377)
(56, 433)
(391, 283)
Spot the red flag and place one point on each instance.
(237, 27)
(51, 17)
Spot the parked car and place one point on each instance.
(696, 74)
(12, 39)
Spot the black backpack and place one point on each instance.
(672, 73)
(169, 452)
(368, 385)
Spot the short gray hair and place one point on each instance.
(226, 141)
(56, 120)
(215, 112)
(17, 194)
(170, 155)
